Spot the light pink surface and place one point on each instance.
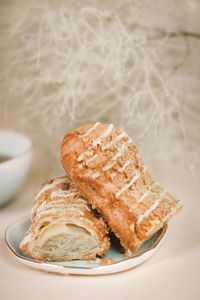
(172, 273)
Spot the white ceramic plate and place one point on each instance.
(114, 261)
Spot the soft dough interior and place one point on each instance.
(65, 240)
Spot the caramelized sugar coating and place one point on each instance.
(108, 171)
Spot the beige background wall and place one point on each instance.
(134, 63)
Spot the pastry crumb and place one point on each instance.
(127, 253)
(106, 261)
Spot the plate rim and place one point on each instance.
(54, 264)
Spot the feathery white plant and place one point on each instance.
(67, 65)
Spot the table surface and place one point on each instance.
(172, 273)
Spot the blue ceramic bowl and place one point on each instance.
(13, 171)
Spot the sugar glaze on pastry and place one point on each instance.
(108, 171)
(63, 225)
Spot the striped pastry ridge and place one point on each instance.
(60, 209)
(97, 141)
(66, 198)
(47, 187)
(54, 205)
(51, 185)
(63, 193)
(93, 156)
(128, 185)
(144, 194)
(60, 202)
(91, 128)
(122, 149)
(106, 133)
(107, 167)
(122, 169)
(142, 197)
(151, 208)
(119, 153)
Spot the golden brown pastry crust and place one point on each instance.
(108, 171)
(59, 201)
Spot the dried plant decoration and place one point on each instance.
(65, 63)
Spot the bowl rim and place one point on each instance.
(23, 153)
